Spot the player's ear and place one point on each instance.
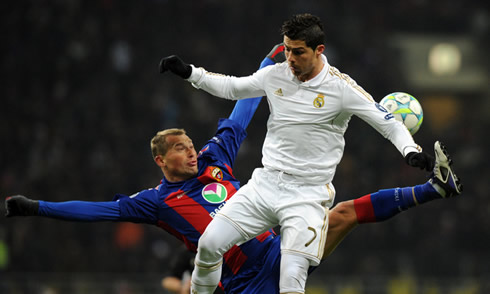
(319, 49)
(160, 160)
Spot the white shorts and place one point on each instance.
(274, 198)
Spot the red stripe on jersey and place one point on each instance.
(364, 209)
(235, 258)
(178, 235)
(230, 170)
(196, 215)
(263, 236)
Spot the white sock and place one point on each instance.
(294, 272)
(205, 279)
(217, 239)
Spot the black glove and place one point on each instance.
(174, 64)
(20, 205)
(422, 160)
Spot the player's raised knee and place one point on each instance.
(209, 248)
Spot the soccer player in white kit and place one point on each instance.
(311, 103)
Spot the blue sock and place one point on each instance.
(419, 194)
(389, 202)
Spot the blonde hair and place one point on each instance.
(159, 145)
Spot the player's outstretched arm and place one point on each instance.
(245, 109)
(176, 65)
(71, 210)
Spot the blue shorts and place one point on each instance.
(263, 276)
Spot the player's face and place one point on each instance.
(180, 162)
(304, 62)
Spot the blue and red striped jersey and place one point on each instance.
(184, 209)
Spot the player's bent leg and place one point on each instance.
(218, 238)
(342, 220)
(385, 204)
(294, 272)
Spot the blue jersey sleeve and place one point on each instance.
(225, 143)
(142, 207)
(83, 211)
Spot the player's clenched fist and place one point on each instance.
(174, 64)
(421, 160)
(19, 205)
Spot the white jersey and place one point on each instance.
(306, 126)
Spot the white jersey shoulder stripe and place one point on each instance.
(335, 72)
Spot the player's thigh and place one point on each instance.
(218, 238)
(342, 220)
(304, 222)
(248, 212)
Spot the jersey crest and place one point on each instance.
(319, 101)
(211, 174)
(216, 173)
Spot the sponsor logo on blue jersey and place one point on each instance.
(213, 213)
(214, 193)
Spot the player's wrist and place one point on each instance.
(197, 76)
(411, 149)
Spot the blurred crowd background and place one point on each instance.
(81, 97)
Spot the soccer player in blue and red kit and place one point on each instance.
(195, 187)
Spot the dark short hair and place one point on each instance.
(305, 27)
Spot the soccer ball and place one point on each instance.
(405, 108)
